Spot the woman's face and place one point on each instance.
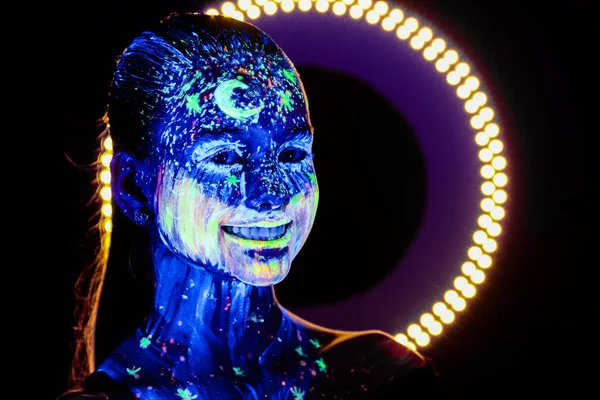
(236, 190)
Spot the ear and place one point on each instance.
(127, 190)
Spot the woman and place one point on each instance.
(212, 141)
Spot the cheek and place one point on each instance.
(189, 219)
(303, 206)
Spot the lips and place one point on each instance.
(261, 233)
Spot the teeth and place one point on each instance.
(257, 233)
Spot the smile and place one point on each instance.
(260, 233)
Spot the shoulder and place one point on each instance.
(99, 386)
(377, 364)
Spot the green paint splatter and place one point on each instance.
(133, 371)
(145, 342)
(223, 98)
(300, 352)
(315, 343)
(238, 371)
(297, 393)
(289, 74)
(232, 180)
(285, 100)
(193, 104)
(186, 394)
(321, 364)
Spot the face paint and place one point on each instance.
(236, 191)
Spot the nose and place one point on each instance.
(266, 191)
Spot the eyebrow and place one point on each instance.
(296, 131)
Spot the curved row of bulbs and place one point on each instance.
(458, 74)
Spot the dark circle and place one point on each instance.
(371, 175)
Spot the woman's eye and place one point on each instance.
(292, 155)
(226, 158)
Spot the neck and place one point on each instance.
(206, 312)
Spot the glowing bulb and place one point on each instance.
(417, 43)
(494, 229)
(499, 163)
(453, 78)
(108, 226)
(261, 2)
(487, 114)
(485, 155)
(402, 32)
(496, 146)
(480, 98)
(484, 221)
(106, 159)
(356, 12)
(490, 245)
(499, 196)
(471, 107)
(485, 261)
(228, 8)
(459, 283)
(469, 291)
(427, 319)
(477, 276)
(468, 268)
(438, 45)
(459, 305)
(500, 179)
(396, 15)
(463, 91)
(472, 83)
(372, 17)
(413, 330)
(439, 308)
(105, 176)
(463, 69)
(401, 338)
(210, 11)
(381, 7)
(244, 4)
(442, 65)
(422, 339)
(474, 253)
(411, 345)
(435, 328)
(447, 317)
(347, 2)
(492, 130)
(339, 8)
(487, 204)
(107, 210)
(477, 121)
(497, 213)
(304, 5)
(238, 15)
(425, 34)
(411, 24)
(365, 3)
(105, 193)
(430, 54)
(487, 188)
(451, 56)
(387, 24)
(271, 8)
(253, 12)
(287, 5)
(108, 143)
(450, 296)
(487, 171)
(322, 6)
(479, 237)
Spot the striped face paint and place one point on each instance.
(237, 192)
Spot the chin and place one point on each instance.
(261, 268)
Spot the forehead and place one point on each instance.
(238, 92)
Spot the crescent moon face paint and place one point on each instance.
(237, 192)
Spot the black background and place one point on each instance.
(529, 334)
